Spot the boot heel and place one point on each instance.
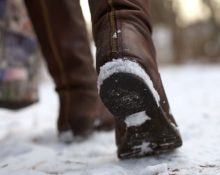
(148, 129)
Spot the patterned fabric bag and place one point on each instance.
(18, 57)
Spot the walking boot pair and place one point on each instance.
(129, 82)
(61, 31)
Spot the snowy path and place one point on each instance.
(28, 143)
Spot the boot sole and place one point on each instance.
(125, 94)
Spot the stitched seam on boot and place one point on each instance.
(57, 56)
(120, 39)
(113, 25)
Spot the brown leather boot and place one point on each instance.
(129, 82)
(61, 31)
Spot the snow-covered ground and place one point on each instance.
(29, 144)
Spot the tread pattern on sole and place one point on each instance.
(125, 94)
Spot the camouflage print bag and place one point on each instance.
(18, 57)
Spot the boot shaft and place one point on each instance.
(117, 25)
(122, 29)
(62, 34)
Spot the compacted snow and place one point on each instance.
(126, 66)
(29, 144)
(136, 119)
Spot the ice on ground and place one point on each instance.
(136, 119)
(126, 66)
(29, 144)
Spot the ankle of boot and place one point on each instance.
(78, 111)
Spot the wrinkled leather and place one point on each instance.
(61, 31)
(122, 28)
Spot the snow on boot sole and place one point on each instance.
(127, 96)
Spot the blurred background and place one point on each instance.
(187, 30)
(184, 30)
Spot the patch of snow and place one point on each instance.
(160, 169)
(175, 127)
(29, 143)
(144, 148)
(66, 136)
(115, 34)
(136, 119)
(97, 122)
(170, 112)
(126, 66)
